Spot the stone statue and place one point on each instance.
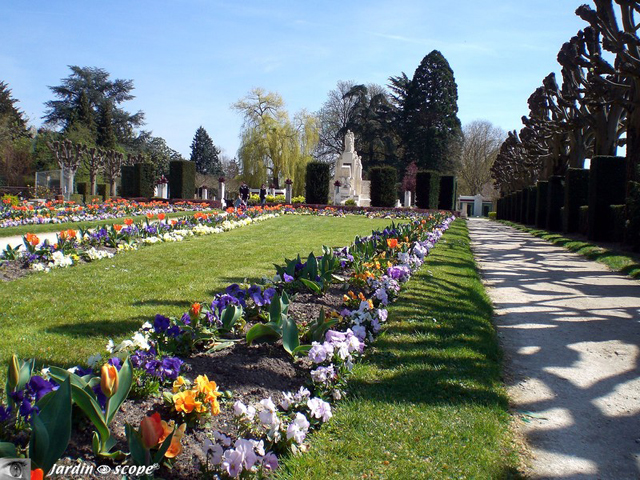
(349, 142)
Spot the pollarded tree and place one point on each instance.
(515, 167)
(432, 127)
(205, 154)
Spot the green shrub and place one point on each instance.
(77, 198)
(383, 186)
(619, 219)
(427, 189)
(317, 183)
(182, 179)
(91, 198)
(532, 199)
(146, 177)
(448, 191)
(254, 199)
(10, 199)
(298, 199)
(518, 207)
(104, 189)
(128, 181)
(583, 219)
(493, 215)
(633, 213)
(576, 194)
(555, 201)
(83, 188)
(524, 205)
(606, 187)
(350, 202)
(542, 201)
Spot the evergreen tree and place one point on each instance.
(205, 154)
(12, 122)
(106, 132)
(431, 107)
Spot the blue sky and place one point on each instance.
(191, 59)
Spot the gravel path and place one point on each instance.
(570, 331)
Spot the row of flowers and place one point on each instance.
(150, 362)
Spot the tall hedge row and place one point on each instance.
(606, 187)
(383, 186)
(555, 201)
(448, 192)
(128, 181)
(576, 194)
(427, 189)
(317, 183)
(531, 205)
(182, 179)
(542, 200)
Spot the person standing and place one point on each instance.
(263, 194)
(244, 193)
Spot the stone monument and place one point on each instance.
(348, 172)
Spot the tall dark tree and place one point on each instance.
(12, 122)
(431, 114)
(106, 132)
(99, 90)
(205, 154)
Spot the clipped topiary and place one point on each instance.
(145, 176)
(317, 183)
(128, 181)
(182, 179)
(383, 186)
(606, 187)
(448, 191)
(555, 201)
(427, 189)
(542, 204)
(576, 194)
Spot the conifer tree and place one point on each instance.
(431, 115)
(205, 154)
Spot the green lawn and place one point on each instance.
(68, 314)
(619, 261)
(428, 401)
(57, 227)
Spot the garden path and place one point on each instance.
(570, 332)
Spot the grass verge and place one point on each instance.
(57, 227)
(428, 401)
(618, 261)
(64, 316)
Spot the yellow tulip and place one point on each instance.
(109, 380)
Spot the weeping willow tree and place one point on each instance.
(273, 147)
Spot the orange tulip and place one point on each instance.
(173, 222)
(150, 216)
(37, 474)
(108, 380)
(71, 233)
(195, 310)
(128, 221)
(392, 242)
(32, 239)
(63, 235)
(176, 447)
(161, 216)
(151, 430)
(117, 228)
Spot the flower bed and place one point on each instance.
(280, 391)
(28, 213)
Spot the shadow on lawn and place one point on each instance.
(96, 329)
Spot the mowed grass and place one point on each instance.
(427, 401)
(57, 227)
(63, 317)
(616, 260)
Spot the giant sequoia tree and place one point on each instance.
(432, 127)
(205, 154)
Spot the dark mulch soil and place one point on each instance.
(250, 372)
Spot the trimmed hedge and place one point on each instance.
(632, 235)
(606, 187)
(427, 189)
(519, 200)
(448, 191)
(182, 179)
(542, 201)
(576, 194)
(82, 188)
(383, 186)
(619, 219)
(524, 205)
(128, 181)
(145, 176)
(583, 220)
(555, 201)
(104, 189)
(532, 201)
(317, 183)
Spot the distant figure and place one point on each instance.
(244, 193)
(238, 203)
(263, 194)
